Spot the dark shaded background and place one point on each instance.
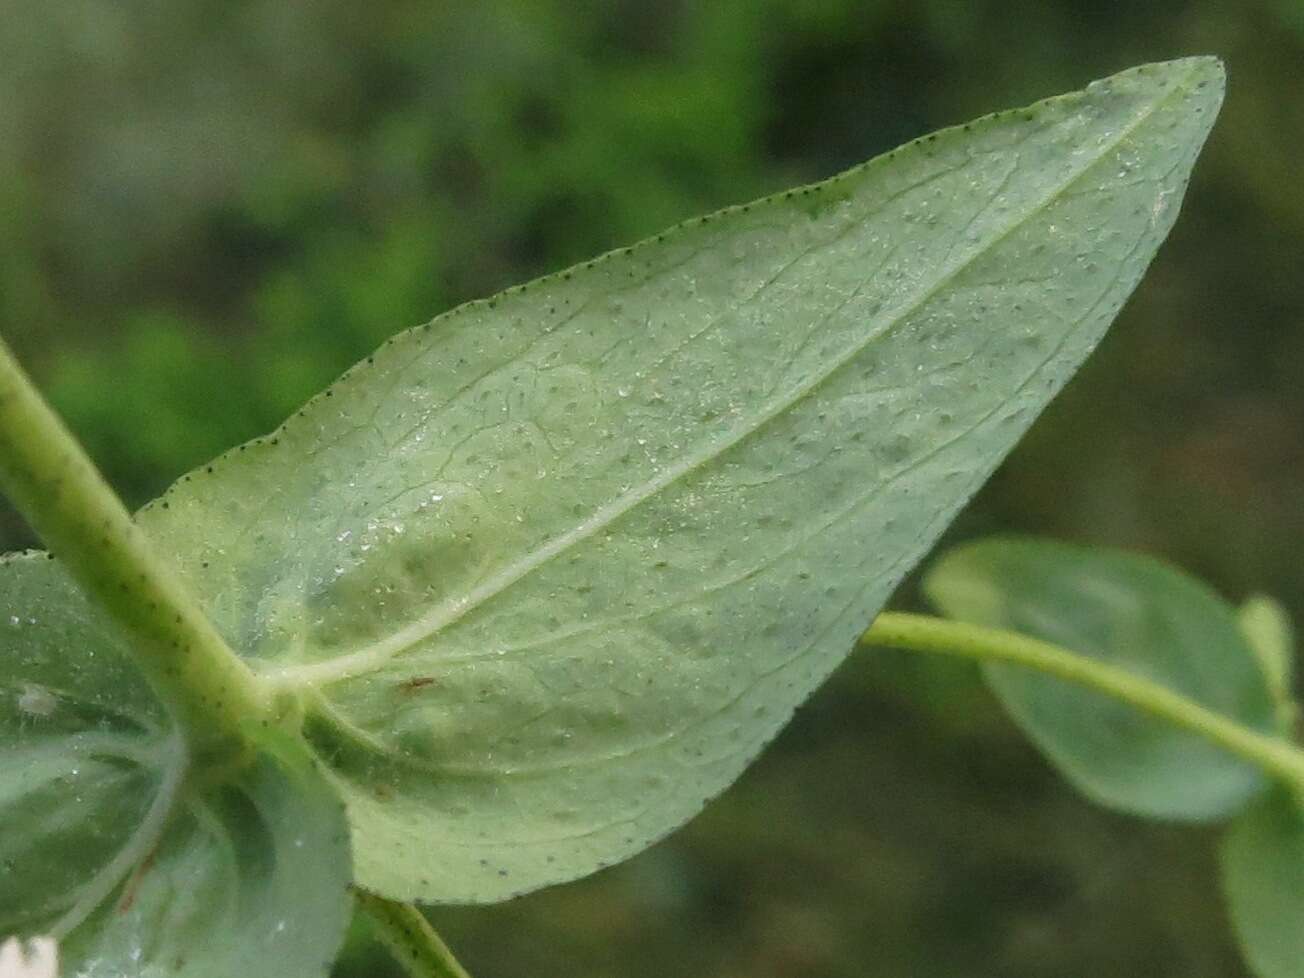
(209, 209)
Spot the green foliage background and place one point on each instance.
(210, 209)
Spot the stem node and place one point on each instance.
(215, 697)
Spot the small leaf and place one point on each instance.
(1262, 859)
(108, 847)
(1135, 613)
(550, 571)
(1266, 626)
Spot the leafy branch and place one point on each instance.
(504, 604)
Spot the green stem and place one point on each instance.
(43, 469)
(924, 633)
(403, 929)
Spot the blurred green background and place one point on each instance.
(209, 209)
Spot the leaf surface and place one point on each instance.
(1266, 626)
(1135, 613)
(104, 843)
(1262, 861)
(551, 570)
(251, 878)
(87, 749)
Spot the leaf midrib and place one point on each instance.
(362, 661)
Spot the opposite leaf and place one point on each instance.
(1262, 857)
(1135, 613)
(252, 878)
(106, 846)
(551, 570)
(88, 753)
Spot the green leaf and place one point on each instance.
(1266, 626)
(552, 569)
(106, 844)
(1134, 613)
(87, 750)
(1262, 859)
(252, 878)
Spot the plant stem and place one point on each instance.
(404, 929)
(924, 633)
(43, 469)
